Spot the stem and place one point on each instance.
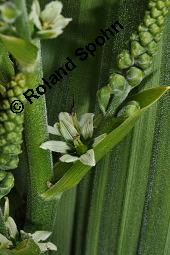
(39, 213)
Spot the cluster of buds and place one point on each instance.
(11, 127)
(11, 124)
(134, 64)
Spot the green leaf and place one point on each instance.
(6, 66)
(24, 51)
(78, 170)
(27, 247)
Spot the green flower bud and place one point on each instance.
(136, 49)
(9, 12)
(13, 162)
(124, 60)
(13, 149)
(134, 76)
(144, 61)
(152, 48)
(2, 90)
(142, 28)
(2, 129)
(129, 109)
(145, 38)
(160, 5)
(117, 83)
(157, 37)
(14, 137)
(164, 11)
(103, 96)
(154, 29)
(4, 105)
(134, 37)
(151, 4)
(3, 117)
(9, 126)
(148, 71)
(6, 184)
(160, 20)
(148, 20)
(167, 3)
(2, 142)
(155, 13)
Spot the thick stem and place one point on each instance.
(39, 213)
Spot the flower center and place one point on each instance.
(79, 146)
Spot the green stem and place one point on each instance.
(39, 213)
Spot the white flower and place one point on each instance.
(75, 138)
(49, 22)
(39, 237)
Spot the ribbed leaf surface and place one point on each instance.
(122, 207)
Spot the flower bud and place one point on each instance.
(157, 37)
(154, 29)
(124, 60)
(145, 38)
(164, 11)
(134, 76)
(152, 48)
(9, 12)
(155, 13)
(129, 109)
(103, 96)
(160, 5)
(134, 37)
(144, 61)
(148, 20)
(136, 49)
(117, 83)
(142, 28)
(6, 183)
(160, 20)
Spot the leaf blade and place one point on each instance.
(78, 171)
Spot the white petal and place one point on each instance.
(67, 126)
(35, 14)
(56, 146)
(4, 242)
(12, 228)
(41, 235)
(53, 130)
(88, 158)
(98, 139)
(86, 123)
(47, 247)
(51, 11)
(68, 158)
(61, 22)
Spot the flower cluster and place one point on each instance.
(49, 22)
(75, 138)
(14, 236)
